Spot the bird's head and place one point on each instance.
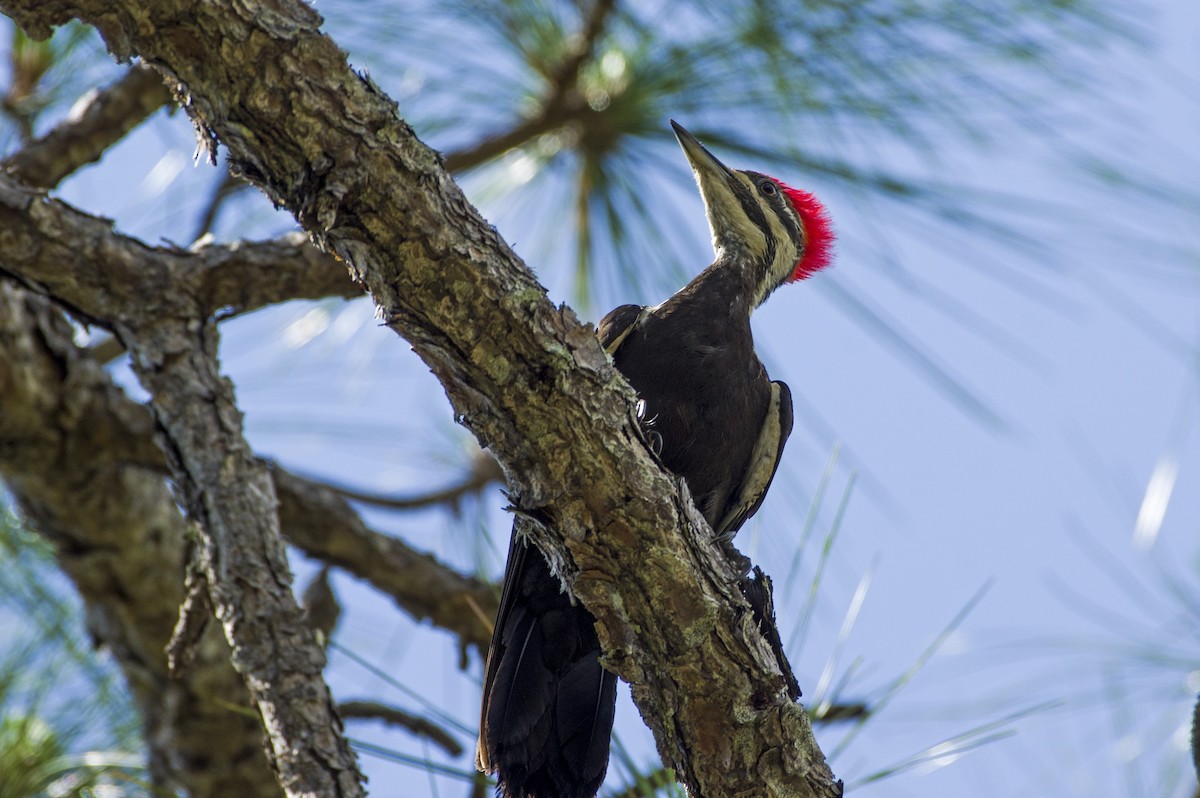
(779, 233)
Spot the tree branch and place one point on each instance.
(528, 379)
(97, 122)
(228, 186)
(78, 456)
(314, 517)
(231, 496)
(227, 491)
(484, 471)
(323, 525)
(59, 249)
(223, 485)
(421, 727)
(137, 279)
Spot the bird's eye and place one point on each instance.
(767, 188)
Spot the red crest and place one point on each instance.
(818, 233)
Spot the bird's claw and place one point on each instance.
(652, 438)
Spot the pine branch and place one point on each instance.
(421, 727)
(562, 103)
(484, 471)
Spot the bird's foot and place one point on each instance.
(652, 438)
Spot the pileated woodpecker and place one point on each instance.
(714, 417)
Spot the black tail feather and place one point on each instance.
(548, 704)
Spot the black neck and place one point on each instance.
(726, 286)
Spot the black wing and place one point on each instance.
(764, 461)
(617, 324)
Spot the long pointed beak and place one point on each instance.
(704, 164)
(719, 189)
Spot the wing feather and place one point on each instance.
(764, 461)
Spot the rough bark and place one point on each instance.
(228, 492)
(197, 740)
(526, 377)
(242, 557)
(41, 237)
(84, 264)
(59, 248)
(78, 455)
(72, 442)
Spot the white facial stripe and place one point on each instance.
(749, 232)
(786, 253)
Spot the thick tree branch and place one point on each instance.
(527, 378)
(237, 278)
(60, 250)
(55, 249)
(315, 518)
(79, 458)
(226, 489)
(119, 431)
(97, 122)
(241, 555)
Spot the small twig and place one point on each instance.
(228, 186)
(421, 727)
(837, 713)
(484, 471)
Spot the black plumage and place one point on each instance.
(548, 705)
(715, 419)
